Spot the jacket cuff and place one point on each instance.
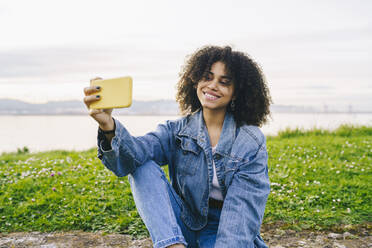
(103, 144)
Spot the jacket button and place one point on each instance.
(218, 156)
(205, 211)
(184, 152)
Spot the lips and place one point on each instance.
(210, 96)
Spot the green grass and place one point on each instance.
(319, 180)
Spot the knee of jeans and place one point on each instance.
(148, 171)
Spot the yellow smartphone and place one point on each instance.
(115, 93)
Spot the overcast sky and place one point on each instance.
(313, 53)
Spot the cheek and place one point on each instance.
(199, 88)
(198, 92)
(201, 84)
(228, 92)
(232, 91)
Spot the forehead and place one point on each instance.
(218, 66)
(219, 69)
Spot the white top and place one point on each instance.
(215, 192)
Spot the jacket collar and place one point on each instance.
(195, 128)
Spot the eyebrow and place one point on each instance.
(223, 76)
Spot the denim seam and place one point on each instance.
(170, 241)
(172, 192)
(252, 134)
(165, 181)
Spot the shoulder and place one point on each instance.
(177, 124)
(248, 142)
(253, 133)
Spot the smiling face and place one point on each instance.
(216, 90)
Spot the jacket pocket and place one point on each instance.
(188, 155)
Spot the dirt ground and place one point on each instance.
(276, 238)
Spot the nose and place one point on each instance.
(213, 84)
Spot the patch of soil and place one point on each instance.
(279, 238)
(70, 239)
(274, 237)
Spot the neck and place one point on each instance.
(214, 118)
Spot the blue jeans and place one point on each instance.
(160, 209)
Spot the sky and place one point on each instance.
(313, 53)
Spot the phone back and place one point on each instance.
(115, 93)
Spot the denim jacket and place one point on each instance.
(241, 166)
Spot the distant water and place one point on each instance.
(40, 133)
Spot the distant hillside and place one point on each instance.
(159, 107)
(16, 107)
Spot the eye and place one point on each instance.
(208, 76)
(225, 82)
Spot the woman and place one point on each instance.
(216, 155)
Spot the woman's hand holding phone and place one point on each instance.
(102, 116)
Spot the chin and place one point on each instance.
(213, 107)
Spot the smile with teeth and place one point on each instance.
(210, 97)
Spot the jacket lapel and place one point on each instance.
(196, 129)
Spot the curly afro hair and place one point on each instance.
(252, 97)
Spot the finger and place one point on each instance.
(88, 100)
(96, 78)
(91, 90)
(108, 111)
(93, 112)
